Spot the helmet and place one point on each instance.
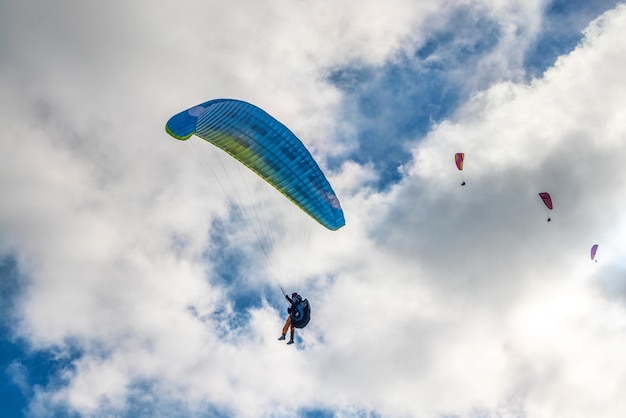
(294, 294)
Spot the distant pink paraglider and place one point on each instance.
(459, 157)
(594, 249)
(547, 200)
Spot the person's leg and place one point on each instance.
(286, 328)
(292, 333)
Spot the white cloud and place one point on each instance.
(18, 374)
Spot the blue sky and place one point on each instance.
(126, 289)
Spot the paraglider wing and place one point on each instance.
(458, 159)
(546, 199)
(594, 248)
(268, 148)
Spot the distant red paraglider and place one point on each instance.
(547, 200)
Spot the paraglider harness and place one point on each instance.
(300, 313)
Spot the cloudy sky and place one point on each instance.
(129, 286)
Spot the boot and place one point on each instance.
(290, 341)
(282, 337)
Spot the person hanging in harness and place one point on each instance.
(299, 315)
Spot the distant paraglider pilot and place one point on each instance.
(299, 315)
(294, 300)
